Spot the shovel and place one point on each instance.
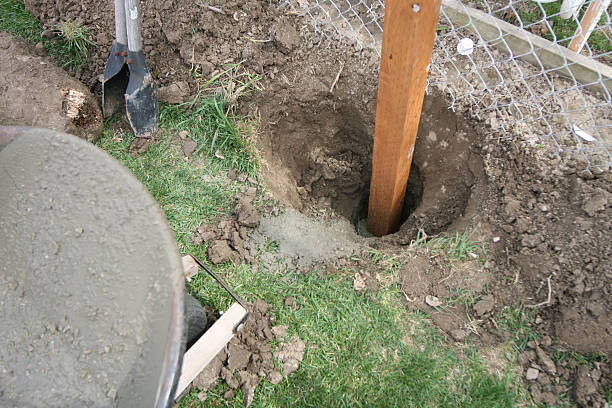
(127, 81)
(141, 94)
(116, 73)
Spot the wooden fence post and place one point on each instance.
(408, 36)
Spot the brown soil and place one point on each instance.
(35, 92)
(552, 220)
(249, 356)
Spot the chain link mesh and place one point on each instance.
(518, 76)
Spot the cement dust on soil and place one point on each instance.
(551, 219)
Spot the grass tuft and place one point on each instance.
(78, 40)
(211, 126)
(16, 20)
(458, 247)
(518, 321)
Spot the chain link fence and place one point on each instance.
(508, 62)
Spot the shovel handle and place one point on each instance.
(132, 10)
(120, 28)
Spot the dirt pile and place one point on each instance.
(249, 357)
(35, 92)
(226, 236)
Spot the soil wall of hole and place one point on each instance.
(553, 220)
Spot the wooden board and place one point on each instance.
(208, 346)
(588, 24)
(408, 35)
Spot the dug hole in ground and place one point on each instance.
(542, 223)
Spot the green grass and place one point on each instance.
(16, 20)
(458, 247)
(210, 124)
(357, 348)
(518, 321)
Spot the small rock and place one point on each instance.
(177, 92)
(220, 252)
(202, 396)
(532, 374)
(291, 354)
(276, 377)
(459, 334)
(238, 357)
(546, 341)
(242, 177)
(484, 306)
(546, 361)
(597, 202)
(286, 35)
(232, 174)
(433, 301)
(189, 146)
(229, 394)
(359, 283)
(531, 344)
(280, 332)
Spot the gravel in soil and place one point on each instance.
(551, 221)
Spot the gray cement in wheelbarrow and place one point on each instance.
(87, 272)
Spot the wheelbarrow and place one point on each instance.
(91, 282)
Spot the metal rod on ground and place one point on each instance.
(408, 36)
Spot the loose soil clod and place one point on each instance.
(249, 357)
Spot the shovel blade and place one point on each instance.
(116, 77)
(142, 110)
(141, 103)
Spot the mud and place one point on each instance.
(250, 356)
(86, 318)
(551, 220)
(35, 92)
